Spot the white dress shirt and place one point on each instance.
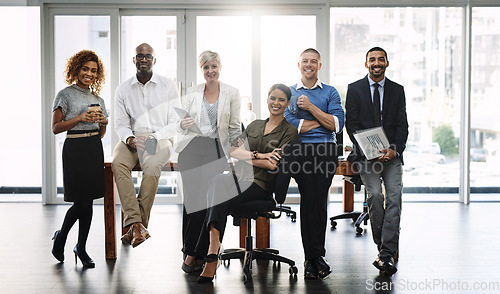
(148, 108)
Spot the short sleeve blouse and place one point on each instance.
(73, 101)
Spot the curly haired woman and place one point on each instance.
(81, 112)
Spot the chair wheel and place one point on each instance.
(294, 219)
(227, 262)
(276, 266)
(293, 270)
(359, 230)
(334, 224)
(247, 277)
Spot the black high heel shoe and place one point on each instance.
(188, 269)
(209, 259)
(84, 258)
(58, 246)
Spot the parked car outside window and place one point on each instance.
(478, 154)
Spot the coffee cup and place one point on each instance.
(94, 107)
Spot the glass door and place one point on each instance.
(230, 35)
(485, 126)
(280, 54)
(18, 93)
(159, 31)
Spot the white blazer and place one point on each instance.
(228, 115)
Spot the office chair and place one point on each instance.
(252, 210)
(357, 217)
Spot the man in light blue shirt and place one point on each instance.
(318, 115)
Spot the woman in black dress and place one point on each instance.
(81, 112)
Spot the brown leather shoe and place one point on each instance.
(140, 234)
(128, 236)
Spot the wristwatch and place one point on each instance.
(255, 154)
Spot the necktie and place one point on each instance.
(376, 105)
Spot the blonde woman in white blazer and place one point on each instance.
(214, 108)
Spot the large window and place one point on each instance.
(280, 55)
(424, 53)
(21, 157)
(231, 37)
(485, 102)
(158, 31)
(281, 48)
(425, 47)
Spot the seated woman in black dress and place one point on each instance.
(258, 151)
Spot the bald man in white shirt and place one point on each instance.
(144, 116)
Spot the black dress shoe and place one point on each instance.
(386, 265)
(377, 263)
(310, 271)
(323, 267)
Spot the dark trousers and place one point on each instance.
(223, 194)
(317, 163)
(199, 162)
(217, 214)
(385, 210)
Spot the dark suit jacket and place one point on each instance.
(359, 114)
